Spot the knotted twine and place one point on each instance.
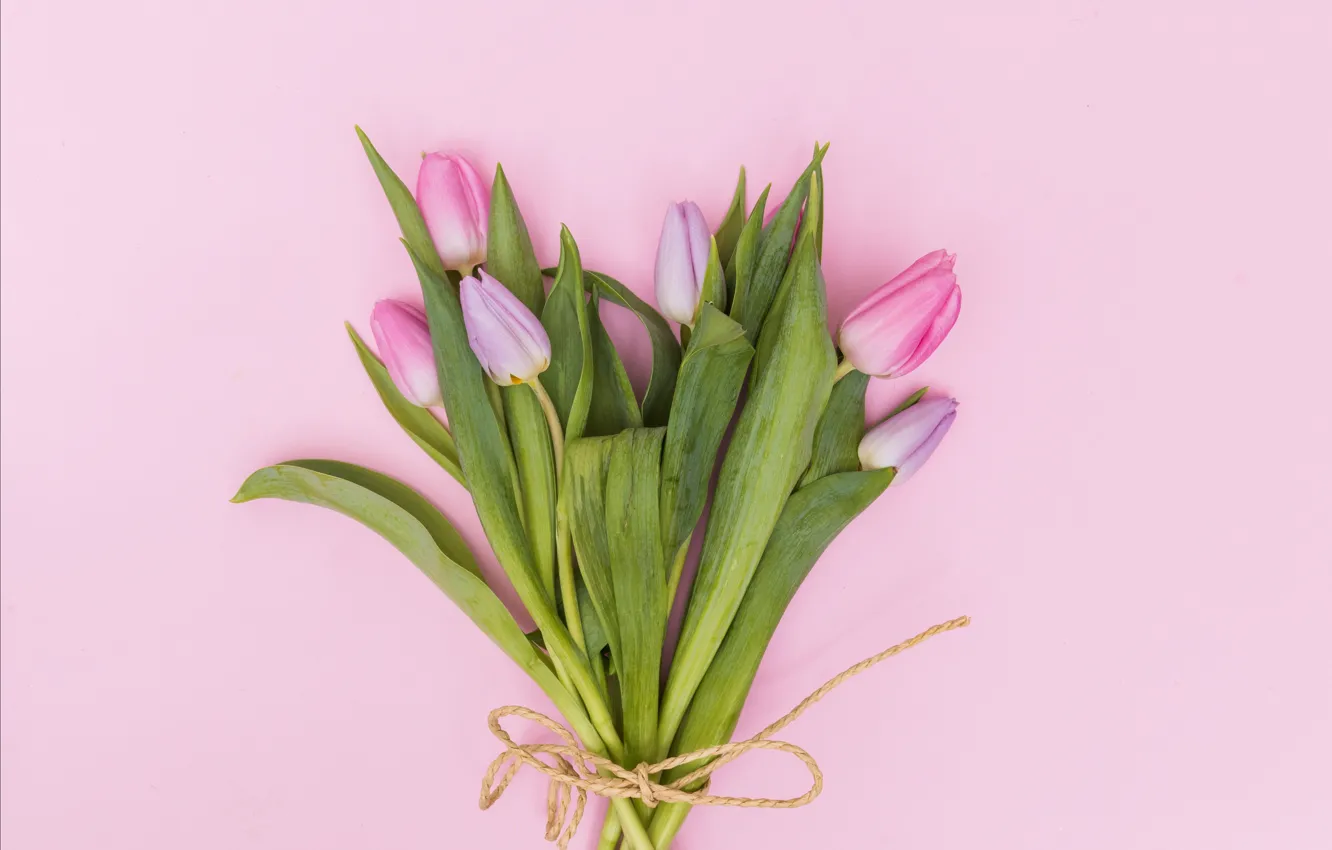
(575, 771)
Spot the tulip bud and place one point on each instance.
(504, 335)
(900, 324)
(403, 339)
(682, 261)
(456, 207)
(907, 440)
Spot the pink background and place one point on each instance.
(1134, 505)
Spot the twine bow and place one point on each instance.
(575, 772)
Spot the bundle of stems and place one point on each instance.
(590, 495)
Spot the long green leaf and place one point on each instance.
(583, 493)
(419, 531)
(812, 518)
(569, 378)
(713, 290)
(774, 253)
(413, 226)
(818, 204)
(740, 268)
(482, 449)
(420, 424)
(728, 232)
(665, 348)
(614, 407)
(705, 397)
(639, 575)
(773, 438)
(510, 257)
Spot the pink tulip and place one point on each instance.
(504, 335)
(902, 322)
(403, 339)
(456, 207)
(907, 440)
(682, 261)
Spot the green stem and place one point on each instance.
(666, 823)
(610, 832)
(568, 590)
(553, 420)
(843, 369)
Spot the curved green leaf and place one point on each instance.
(728, 232)
(420, 424)
(568, 380)
(665, 347)
(740, 269)
(614, 406)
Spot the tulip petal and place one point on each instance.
(455, 205)
(893, 441)
(700, 239)
(912, 464)
(881, 340)
(506, 337)
(935, 333)
(677, 286)
(403, 339)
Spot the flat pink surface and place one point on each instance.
(1134, 505)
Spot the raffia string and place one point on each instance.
(575, 772)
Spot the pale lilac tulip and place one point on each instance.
(403, 339)
(456, 207)
(907, 440)
(682, 261)
(902, 322)
(504, 335)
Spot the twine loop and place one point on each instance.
(575, 772)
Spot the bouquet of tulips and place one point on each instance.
(589, 494)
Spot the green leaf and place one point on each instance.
(594, 635)
(614, 407)
(510, 257)
(705, 397)
(569, 378)
(812, 222)
(583, 492)
(665, 348)
(413, 226)
(811, 520)
(774, 253)
(837, 438)
(638, 571)
(419, 531)
(792, 378)
(713, 290)
(728, 233)
(740, 268)
(420, 424)
(818, 205)
(907, 402)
